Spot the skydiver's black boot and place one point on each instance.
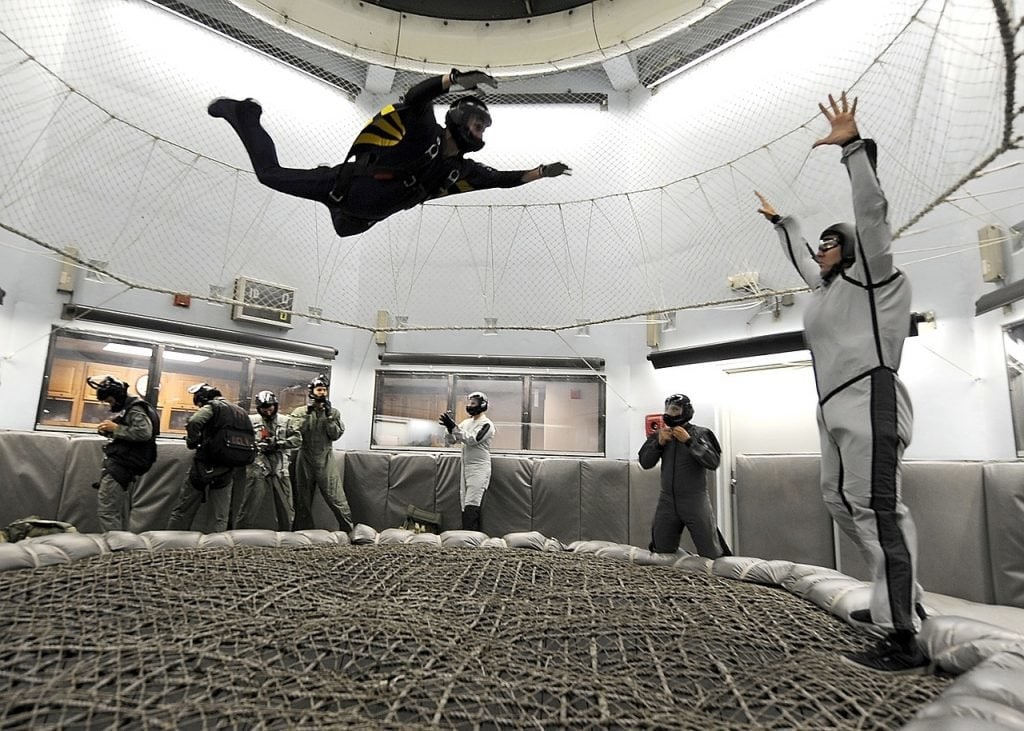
(471, 517)
(235, 112)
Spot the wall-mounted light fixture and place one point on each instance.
(490, 326)
(784, 342)
(921, 322)
(999, 298)
(583, 328)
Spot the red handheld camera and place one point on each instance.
(652, 422)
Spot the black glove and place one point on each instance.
(447, 421)
(327, 406)
(471, 79)
(555, 169)
(268, 446)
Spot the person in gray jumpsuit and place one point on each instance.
(274, 440)
(855, 326)
(319, 425)
(686, 452)
(128, 455)
(475, 435)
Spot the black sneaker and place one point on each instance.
(232, 109)
(861, 615)
(864, 615)
(888, 656)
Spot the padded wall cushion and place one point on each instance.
(644, 488)
(78, 498)
(779, 510)
(447, 478)
(556, 498)
(366, 481)
(410, 482)
(947, 502)
(1004, 509)
(158, 490)
(31, 474)
(508, 502)
(604, 500)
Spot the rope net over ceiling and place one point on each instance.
(106, 152)
(417, 636)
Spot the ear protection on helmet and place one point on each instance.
(481, 403)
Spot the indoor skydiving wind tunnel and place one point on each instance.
(140, 243)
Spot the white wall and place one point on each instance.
(955, 374)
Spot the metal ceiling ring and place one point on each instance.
(590, 33)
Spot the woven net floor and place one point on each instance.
(416, 636)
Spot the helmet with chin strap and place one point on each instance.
(480, 405)
(460, 114)
(683, 402)
(108, 387)
(266, 399)
(320, 381)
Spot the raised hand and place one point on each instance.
(841, 116)
(767, 209)
(447, 421)
(471, 79)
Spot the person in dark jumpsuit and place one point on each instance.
(686, 452)
(402, 157)
(855, 325)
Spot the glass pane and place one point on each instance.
(288, 381)
(1013, 343)
(67, 400)
(505, 399)
(407, 407)
(565, 415)
(183, 368)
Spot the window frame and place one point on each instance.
(250, 361)
(455, 402)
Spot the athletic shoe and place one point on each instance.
(232, 109)
(864, 615)
(888, 656)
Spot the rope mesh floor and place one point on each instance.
(414, 636)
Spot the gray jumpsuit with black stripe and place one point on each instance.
(855, 327)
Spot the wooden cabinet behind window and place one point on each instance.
(65, 377)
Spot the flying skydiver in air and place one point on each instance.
(400, 159)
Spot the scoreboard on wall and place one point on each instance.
(264, 302)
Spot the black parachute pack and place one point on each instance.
(230, 441)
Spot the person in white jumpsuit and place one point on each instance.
(854, 327)
(475, 435)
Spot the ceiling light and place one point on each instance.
(128, 349)
(184, 357)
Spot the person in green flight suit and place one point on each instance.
(320, 425)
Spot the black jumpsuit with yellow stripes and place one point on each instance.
(396, 162)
